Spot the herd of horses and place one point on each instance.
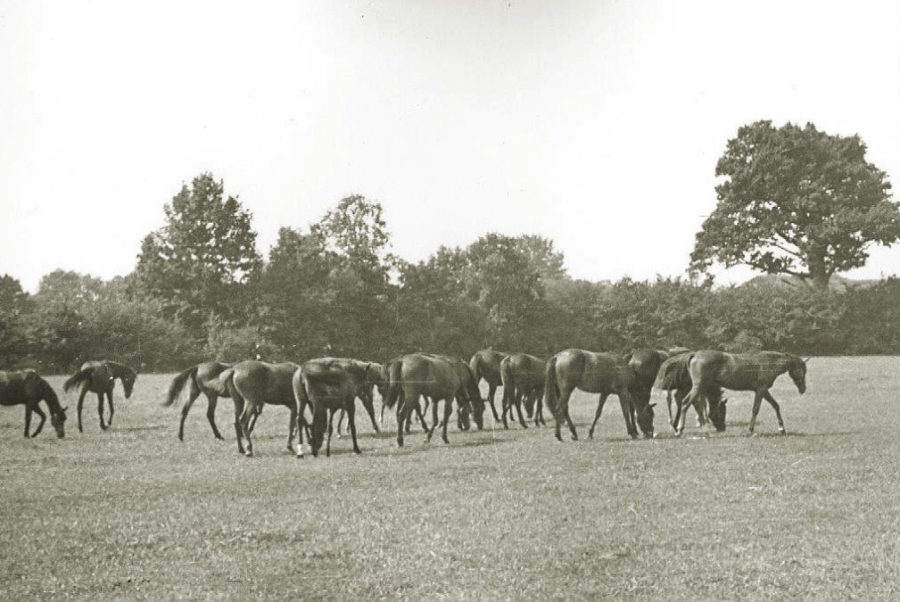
(411, 383)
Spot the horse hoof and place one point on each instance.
(248, 453)
(781, 431)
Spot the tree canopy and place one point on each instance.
(796, 201)
(197, 261)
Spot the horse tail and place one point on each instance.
(475, 367)
(178, 384)
(507, 379)
(551, 387)
(78, 379)
(393, 369)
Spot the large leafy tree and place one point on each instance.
(15, 305)
(199, 262)
(796, 201)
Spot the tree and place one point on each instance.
(796, 201)
(548, 262)
(199, 262)
(15, 305)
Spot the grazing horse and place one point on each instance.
(251, 384)
(328, 385)
(100, 377)
(374, 377)
(26, 387)
(674, 375)
(486, 364)
(644, 364)
(755, 372)
(204, 378)
(522, 376)
(604, 373)
(439, 377)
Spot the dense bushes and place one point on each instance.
(74, 318)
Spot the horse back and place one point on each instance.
(431, 375)
(592, 372)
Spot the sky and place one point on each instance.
(595, 124)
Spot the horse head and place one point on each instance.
(716, 415)
(797, 372)
(58, 420)
(128, 383)
(645, 420)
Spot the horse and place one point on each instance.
(522, 376)
(644, 365)
(26, 387)
(486, 364)
(251, 384)
(440, 377)
(100, 377)
(604, 373)
(674, 374)
(328, 385)
(375, 378)
(755, 372)
(204, 378)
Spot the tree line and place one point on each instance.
(792, 201)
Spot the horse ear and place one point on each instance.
(805, 359)
(652, 405)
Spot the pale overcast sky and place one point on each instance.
(597, 124)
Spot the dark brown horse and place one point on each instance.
(486, 364)
(755, 372)
(375, 378)
(603, 373)
(440, 377)
(204, 378)
(522, 376)
(26, 387)
(100, 377)
(327, 385)
(644, 364)
(675, 375)
(251, 384)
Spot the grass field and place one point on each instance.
(134, 513)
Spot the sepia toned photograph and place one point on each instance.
(449, 300)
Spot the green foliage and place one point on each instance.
(15, 305)
(796, 201)
(199, 263)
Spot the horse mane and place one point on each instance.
(120, 370)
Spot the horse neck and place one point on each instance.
(118, 370)
(50, 398)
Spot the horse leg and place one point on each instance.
(400, 426)
(27, 419)
(492, 390)
(112, 409)
(238, 412)
(80, 405)
(369, 405)
(681, 409)
(330, 431)
(184, 412)
(244, 425)
(292, 423)
(757, 401)
(351, 422)
(600, 403)
(775, 406)
(448, 411)
(340, 424)
(669, 404)
(434, 418)
(213, 400)
(100, 411)
(505, 406)
(518, 401)
(36, 408)
(539, 411)
(421, 416)
(627, 412)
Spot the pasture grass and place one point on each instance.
(134, 513)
